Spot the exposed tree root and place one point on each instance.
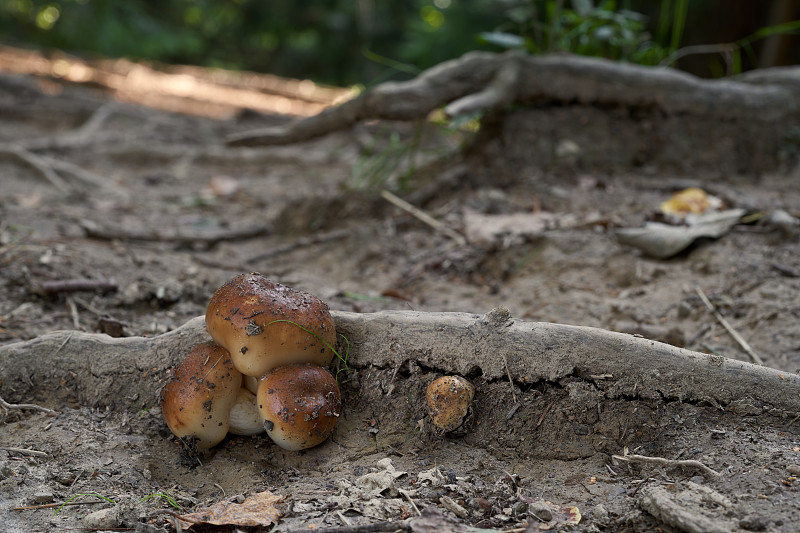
(482, 81)
(99, 370)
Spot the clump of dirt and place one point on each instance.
(154, 204)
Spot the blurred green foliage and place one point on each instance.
(335, 41)
(345, 42)
(602, 30)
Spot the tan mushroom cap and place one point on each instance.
(198, 400)
(300, 405)
(449, 398)
(265, 325)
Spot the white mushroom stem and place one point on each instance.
(245, 419)
(251, 382)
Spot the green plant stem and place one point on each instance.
(109, 500)
(326, 343)
(170, 500)
(678, 23)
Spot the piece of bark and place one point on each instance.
(97, 370)
(683, 510)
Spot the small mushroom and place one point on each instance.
(449, 398)
(198, 401)
(299, 404)
(265, 325)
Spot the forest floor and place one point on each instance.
(155, 206)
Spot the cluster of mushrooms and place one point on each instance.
(266, 369)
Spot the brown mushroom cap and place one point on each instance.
(299, 404)
(449, 398)
(198, 400)
(265, 325)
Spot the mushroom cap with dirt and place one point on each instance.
(265, 325)
(449, 398)
(300, 405)
(198, 400)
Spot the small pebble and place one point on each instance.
(484, 504)
(65, 478)
(600, 513)
(519, 508)
(44, 496)
(541, 511)
(754, 523)
(793, 469)
(102, 519)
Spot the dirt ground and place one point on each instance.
(153, 203)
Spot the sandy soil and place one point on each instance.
(156, 205)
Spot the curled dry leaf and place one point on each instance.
(563, 516)
(663, 240)
(258, 510)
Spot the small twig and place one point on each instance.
(422, 216)
(683, 463)
(209, 238)
(721, 319)
(408, 497)
(93, 180)
(49, 288)
(639, 486)
(76, 479)
(513, 411)
(330, 236)
(42, 166)
(51, 505)
(377, 527)
(784, 270)
(77, 136)
(95, 121)
(724, 49)
(5, 407)
(73, 311)
(510, 380)
(24, 451)
(541, 418)
(346, 521)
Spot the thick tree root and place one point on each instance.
(93, 369)
(482, 81)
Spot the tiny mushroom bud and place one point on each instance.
(266, 325)
(449, 398)
(299, 404)
(198, 401)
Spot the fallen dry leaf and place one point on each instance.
(663, 240)
(565, 516)
(511, 228)
(256, 510)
